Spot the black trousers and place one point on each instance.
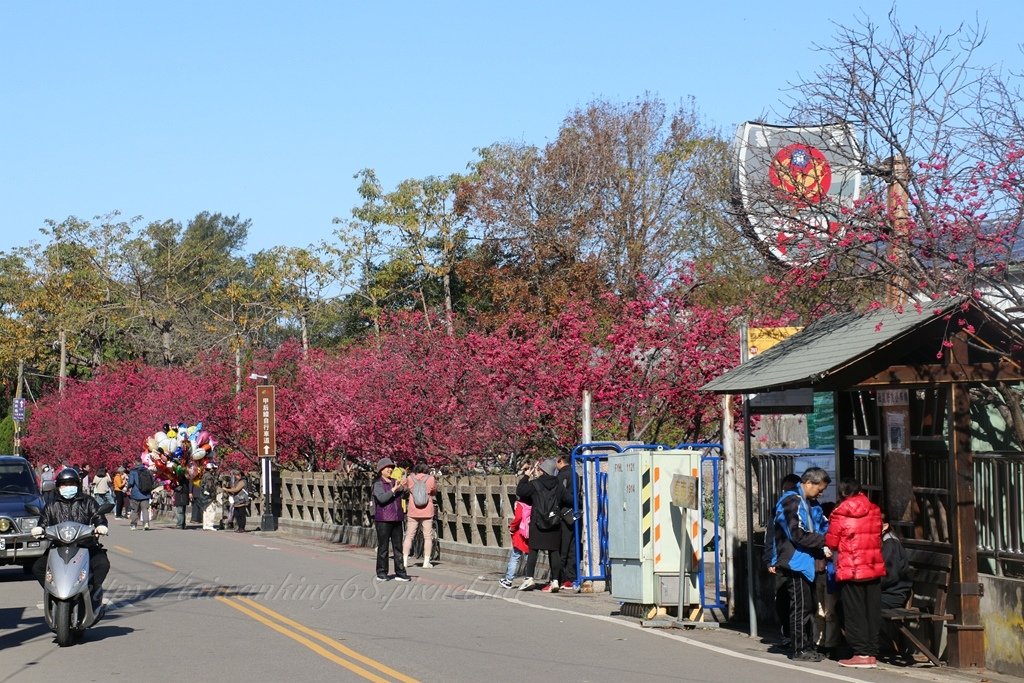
(862, 615)
(554, 561)
(567, 552)
(802, 606)
(389, 533)
(197, 507)
(783, 602)
(118, 503)
(99, 567)
(239, 517)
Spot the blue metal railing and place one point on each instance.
(590, 457)
(595, 484)
(716, 543)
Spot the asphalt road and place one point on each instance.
(219, 606)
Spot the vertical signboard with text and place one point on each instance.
(266, 437)
(18, 415)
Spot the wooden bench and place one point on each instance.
(925, 610)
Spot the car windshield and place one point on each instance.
(16, 479)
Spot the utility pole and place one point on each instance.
(731, 455)
(896, 204)
(586, 426)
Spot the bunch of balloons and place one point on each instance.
(173, 451)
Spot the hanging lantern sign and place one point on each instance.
(793, 183)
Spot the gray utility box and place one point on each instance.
(646, 531)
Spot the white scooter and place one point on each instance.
(67, 604)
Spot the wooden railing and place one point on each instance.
(470, 510)
(999, 509)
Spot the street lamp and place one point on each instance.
(266, 446)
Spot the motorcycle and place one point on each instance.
(67, 604)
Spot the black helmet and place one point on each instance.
(68, 477)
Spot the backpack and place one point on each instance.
(524, 519)
(146, 482)
(546, 507)
(420, 497)
(241, 498)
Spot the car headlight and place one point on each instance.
(5, 525)
(26, 523)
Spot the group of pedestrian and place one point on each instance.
(402, 500)
(848, 552)
(544, 519)
(134, 491)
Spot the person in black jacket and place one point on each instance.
(570, 529)
(71, 504)
(783, 601)
(181, 497)
(897, 582)
(543, 537)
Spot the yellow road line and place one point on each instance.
(165, 566)
(368, 675)
(122, 549)
(349, 652)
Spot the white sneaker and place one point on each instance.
(527, 584)
(427, 565)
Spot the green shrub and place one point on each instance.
(7, 435)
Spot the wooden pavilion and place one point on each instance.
(902, 382)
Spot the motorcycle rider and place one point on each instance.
(71, 504)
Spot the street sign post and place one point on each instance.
(266, 444)
(18, 415)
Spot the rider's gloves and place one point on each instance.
(102, 530)
(37, 531)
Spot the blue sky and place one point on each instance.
(267, 109)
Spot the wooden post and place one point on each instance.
(966, 643)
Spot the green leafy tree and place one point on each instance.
(373, 278)
(300, 284)
(430, 233)
(179, 279)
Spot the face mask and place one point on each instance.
(68, 492)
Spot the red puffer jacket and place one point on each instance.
(855, 532)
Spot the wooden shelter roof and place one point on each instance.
(843, 350)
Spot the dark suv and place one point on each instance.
(17, 488)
